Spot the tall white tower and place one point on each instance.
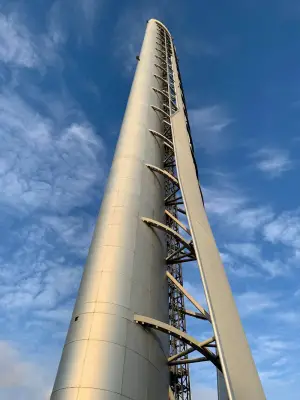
(127, 338)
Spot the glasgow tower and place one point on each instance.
(128, 337)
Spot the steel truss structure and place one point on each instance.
(179, 249)
(128, 336)
(179, 241)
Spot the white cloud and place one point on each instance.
(19, 47)
(233, 214)
(289, 316)
(277, 267)
(270, 347)
(274, 376)
(246, 250)
(16, 43)
(252, 253)
(52, 163)
(209, 127)
(223, 201)
(43, 165)
(279, 363)
(226, 204)
(200, 391)
(89, 9)
(70, 229)
(239, 268)
(251, 219)
(20, 378)
(273, 162)
(60, 314)
(242, 271)
(75, 17)
(43, 288)
(271, 353)
(253, 302)
(284, 229)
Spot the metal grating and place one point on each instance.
(179, 374)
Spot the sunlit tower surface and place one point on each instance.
(128, 338)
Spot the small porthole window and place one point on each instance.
(76, 318)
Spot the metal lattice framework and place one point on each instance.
(179, 374)
(188, 238)
(178, 241)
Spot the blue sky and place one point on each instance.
(66, 68)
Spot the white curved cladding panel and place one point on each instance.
(239, 370)
(125, 271)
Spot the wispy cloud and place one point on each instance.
(201, 391)
(250, 303)
(76, 18)
(273, 162)
(233, 213)
(271, 347)
(69, 229)
(246, 250)
(90, 9)
(20, 378)
(52, 164)
(227, 204)
(282, 361)
(209, 126)
(19, 47)
(238, 268)
(17, 44)
(42, 166)
(44, 286)
(289, 317)
(285, 229)
(270, 352)
(251, 253)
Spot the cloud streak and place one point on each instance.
(41, 166)
(226, 204)
(52, 168)
(209, 126)
(20, 378)
(20, 48)
(272, 162)
(250, 303)
(75, 19)
(285, 229)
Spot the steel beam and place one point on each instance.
(188, 296)
(163, 172)
(178, 222)
(170, 330)
(241, 377)
(181, 354)
(165, 228)
(188, 361)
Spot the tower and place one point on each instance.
(127, 338)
